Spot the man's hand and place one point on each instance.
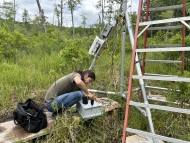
(98, 100)
(90, 96)
(93, 97)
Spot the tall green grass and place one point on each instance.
(34, 72)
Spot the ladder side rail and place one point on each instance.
(131, 35)
(145, 35)
(131, 72)
(183, 35)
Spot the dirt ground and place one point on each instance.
(5, 118)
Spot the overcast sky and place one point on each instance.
(87, 8)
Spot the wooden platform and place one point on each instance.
(140, 139)
(9, 132)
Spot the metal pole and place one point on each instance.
(92, 64)
(123, 52)
(121, 93)
(113, 93)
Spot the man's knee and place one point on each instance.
(80, 94)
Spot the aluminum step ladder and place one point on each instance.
(141, 76)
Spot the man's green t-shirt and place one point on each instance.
(63, 85)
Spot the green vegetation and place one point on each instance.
(30, 61)
(38, 60)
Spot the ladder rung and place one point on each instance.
(165, 27)
(162, 45)
(166, 8)
(168, 139)
(160, 107)
(154, 87)
(165, 21)
(163, 49)
(164, 78)
(159, 88)
(151, 74)
(164, 61)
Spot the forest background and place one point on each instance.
(35, 53)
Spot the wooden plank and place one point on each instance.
(155, 136)
(140, 139)
(109, 104)
(9, 132)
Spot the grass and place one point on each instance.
(31, 75)
(19, 80)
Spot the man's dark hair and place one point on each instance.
(90, 73)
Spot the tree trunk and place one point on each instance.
(58, 19)
(99, 23)
(73, 22)
(14, 11)
(42, 17)
(61, 28)
(102, 14)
